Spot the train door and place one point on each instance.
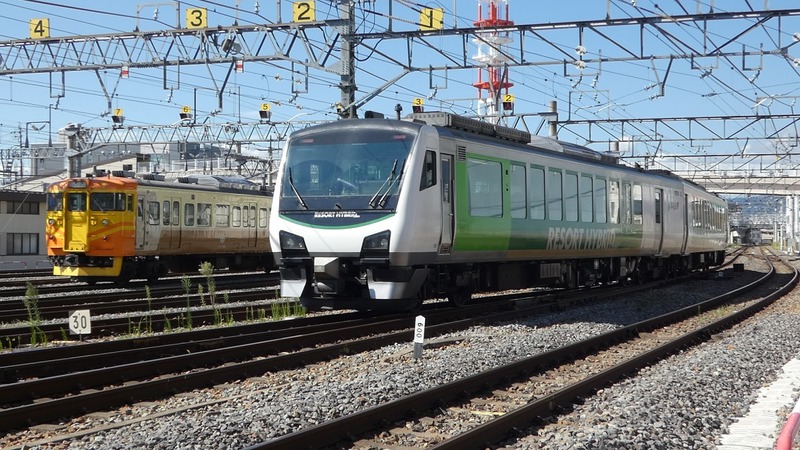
(249, 222)
(172, 222)
(140, 224)
(446, 243)
(659, 218)
(76, 224)
(686, 220)
(148, 220)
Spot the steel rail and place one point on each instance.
(342, 429)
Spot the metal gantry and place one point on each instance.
(571, 49)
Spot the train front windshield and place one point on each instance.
(352, 169)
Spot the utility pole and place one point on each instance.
(348, 77)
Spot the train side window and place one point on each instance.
(637, 204)
(223, 216)
(167, 212)
(626, 203)
(485, 188)
(176, 213)
(587, 205)
(428, 171)
(188, 214)
(153, 211)
(536, 193)
(203, 214)
(600, 200)
(571, 197)
(657, 202)
(519, 209)
(245, 218)
(119, 202)
(236, 216)
(130, 203)
(555, 209)
(252, 216)
(263, 217)
(613, 202)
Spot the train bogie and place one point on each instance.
(443, 206)
(115, 227)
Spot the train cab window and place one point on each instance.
(167, 213)
(176, 213)
(636, 206)
(536, 193)
(153, 213)
(428, 171)
(519, 209)
(485, 188)
(203, 214)
(236, 216)
(76, 201)
(188, 214)
(263, 217)
(613, 202)
(571, 197)
(223, 216)
(55, 201)
(600, 200)
(587, 205)
(107, 201)
(555, 209)
(252, 217)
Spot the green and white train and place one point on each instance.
(376, 213)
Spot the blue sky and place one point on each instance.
(630, 89)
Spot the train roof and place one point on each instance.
(453, 121)
(199, 181)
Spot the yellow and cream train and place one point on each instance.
(118, 226)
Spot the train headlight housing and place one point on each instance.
(292, 244)
(376, 245)
(51, 221)
(105, 222)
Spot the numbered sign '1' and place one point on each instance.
(80, 322)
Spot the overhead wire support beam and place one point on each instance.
(654, 124)
(546, 33)
(149, 49)
(236, 132)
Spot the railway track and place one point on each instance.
(49, 285)
(160, 308)
(134, 382)
(532, 390)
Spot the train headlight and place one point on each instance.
(105, 222)
(51, 221)
(292, 244)
(376, 245)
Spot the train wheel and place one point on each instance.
(459, 297)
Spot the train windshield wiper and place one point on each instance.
(385, 196)
(294, 189)
(380, 189)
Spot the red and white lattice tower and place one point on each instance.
(493, 76)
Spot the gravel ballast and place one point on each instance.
(687, 401)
